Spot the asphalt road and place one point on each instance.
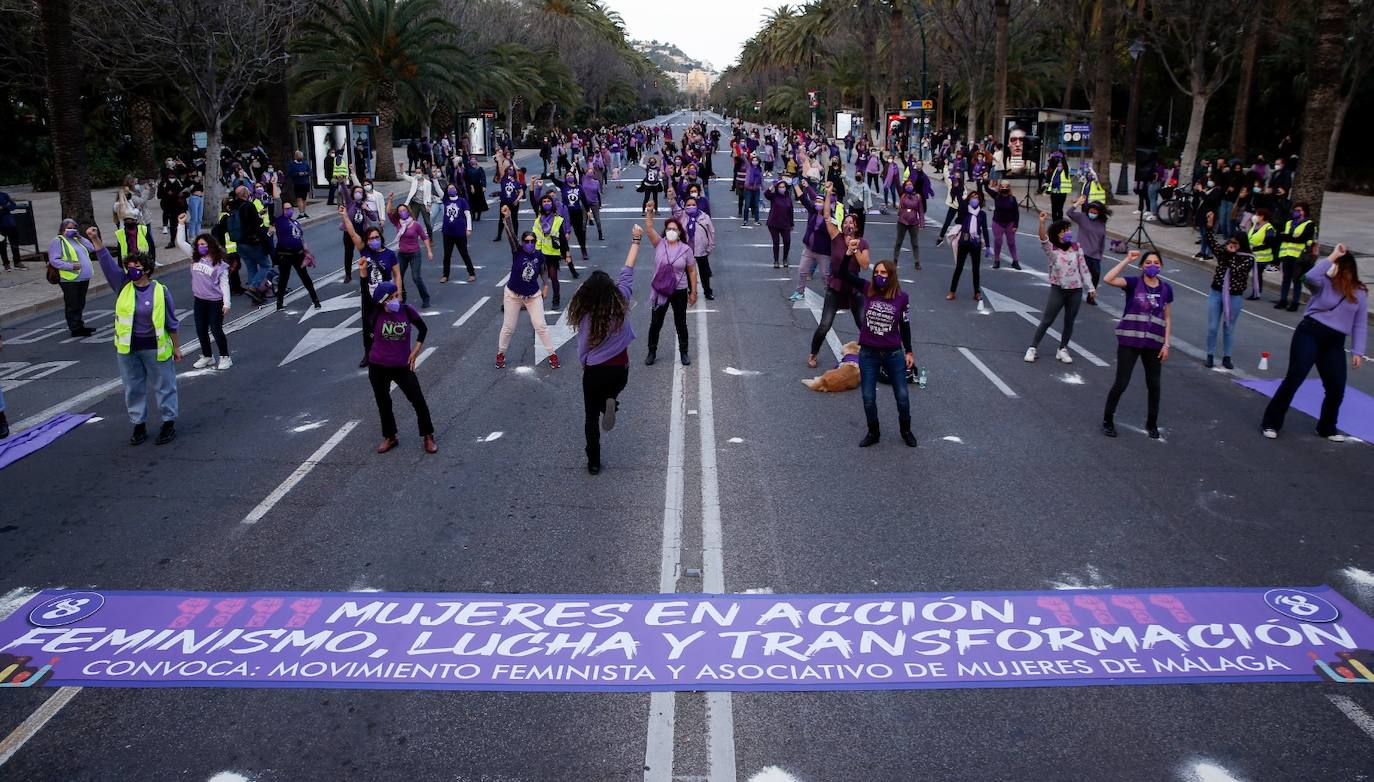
(1008, 491)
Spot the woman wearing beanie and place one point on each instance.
(392, 360)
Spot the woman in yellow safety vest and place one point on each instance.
(145, 337)
(1295, 242)
(1263, 241)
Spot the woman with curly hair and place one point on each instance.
(600, 309)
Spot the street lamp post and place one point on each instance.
(1136, 49)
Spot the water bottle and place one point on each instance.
(921, 378)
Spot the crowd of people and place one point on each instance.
(256, 242)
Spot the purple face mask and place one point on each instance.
(1152, 270)
(374, 243)
(393, 305)
(528, 246)
(203, 249)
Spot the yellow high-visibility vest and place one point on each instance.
(141, 240)
(545, 243)
(124, 320)
(1257, 237)
(1291, 249)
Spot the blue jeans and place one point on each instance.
(894, 360)
(195, 212)
(411, 262)
(137, 368)
(1214, 312)
(1224, 225)
(255, 259)
(1203, 248)
(1152, 195)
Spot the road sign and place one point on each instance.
(911, 105)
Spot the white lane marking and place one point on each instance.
(816, 302)
(15, 599)
(736, 439)
(1354, 712)
(1090, 578)
(503, 281)
(95, 419)
(1207, 771)
(720, 719)
(493, 437)
(953, 439)
(741, 372)
(35, 722)
(231, 776)
(773, 774)
(471, 311)
(309, 425)
(75, 403)
(988, 373)
(757, 591)
(21, 373)
(319, 339)
(1071, 378)
(255, 515)
(658, 748)
(1138, 430)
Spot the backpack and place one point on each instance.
(665, 278)
(235, 227)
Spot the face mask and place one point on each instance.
(693, 211)
(528, 246)
(1152, 271)
(70, 232)
(289, 212)
(135, 272)
(1211, 183)
(357, 196)
(1297, 214)
(368, 188)
(403, 214)
(973, 203)
(671, 234)
(393, 305)
(452, 192)
(1094, 215)
(1254, 189)
(129, 225)
(880, 281)
(546, 207)
(909, 189)
(375, 244)
(1066, 237)
(203, 249)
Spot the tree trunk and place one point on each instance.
(1247, 80)
(280, 146)
(1337, 123)
(940, 105)
(1194, 136)
(443, 117)
(1323, 96)
(62, 69)
(214, 190)
(972, 111)
(999, 95)
(1128, 144)
(141, 127)
(1103, 58)
(385, 170)
(1067, 101)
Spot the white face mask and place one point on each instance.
(671, 234)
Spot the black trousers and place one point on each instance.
(1125, 365)
(704, 269)
(905, 232)
(381, 379)
(1314, 344)
(595, 210)
(74, 303)
(678, 301)
(348, 249)
(828, 311)
(599, 383)
(785, 236)
(972, 251)
(514, 221)
(1057, 205)
(369, 314)
(210, 320)
(10, 246)
(461, 242)
(578, 218)
(286, 261)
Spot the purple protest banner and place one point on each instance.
(685, 642)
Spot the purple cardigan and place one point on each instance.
(1329, 308)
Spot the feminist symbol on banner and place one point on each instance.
(1300, 605)
(66, 609)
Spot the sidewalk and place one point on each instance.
(24, 293)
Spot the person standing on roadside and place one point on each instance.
(1339, 307)
(9, 232)
(145, 339)
(1143, 335)
(1264, 240)
(70, 254)
(1295, 244)
(700, 237)
(245, 227)
(600, 311)
(1006, 219)
(298, 173)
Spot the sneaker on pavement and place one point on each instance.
(1336, 438)
(1063, 356)
(796, 296)
(1030, 355)
(500, 360)
(1109, 429)
(203, 362)
(167, 433)
(553, 360)
(1272, 434)
(608, 417)
(225, 363)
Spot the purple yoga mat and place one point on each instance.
(12, 449)
(1357, 409)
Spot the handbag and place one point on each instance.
(53, 275)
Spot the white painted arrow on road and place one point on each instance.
(317, 339)
(559, 333)
(1031, 315)
(350, 300)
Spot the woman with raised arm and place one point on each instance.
(674, 283)
(523, 291)
(1142, 335)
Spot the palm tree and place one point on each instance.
(63, 67)
(384, 53)
(1323, 95)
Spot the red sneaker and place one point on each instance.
(553, 360)
(500, 360)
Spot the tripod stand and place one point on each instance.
(1140, 236)
(1028, 202)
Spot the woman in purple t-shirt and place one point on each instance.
(391, 359)
(1142, 335)
(884, 342)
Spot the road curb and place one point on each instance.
(54, 303)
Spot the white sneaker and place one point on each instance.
(1272, 434)
(1063, 355)
(1030, 355)
(1149, 216)
(1136, 212)
(203, 362)
(225, 362)
(1336, 438)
